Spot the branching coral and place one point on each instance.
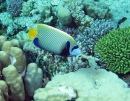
(2, 5)
(91, 34)
(14, 7)
(114, 50)
(27, 7)
(5, 19)
(33, 12)
(39, 9)
(81, 20)
(54, 64)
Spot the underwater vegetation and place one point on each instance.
(37, 70)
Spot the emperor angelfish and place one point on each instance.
(54, 40)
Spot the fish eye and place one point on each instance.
(75, 47)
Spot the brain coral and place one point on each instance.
(114, 50)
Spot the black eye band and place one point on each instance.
(75, 47)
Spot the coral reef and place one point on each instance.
(54, 64)
(97, 10)
(13, 68)
(4, 90)
(27, 7)
(81, 20)
(20, 59)
(126, 78)
(62, 93)
(12, 54)
(5, 19)
(51, 65)
(28, 73)
(14, 79)
(33, 12)
(92, 34)
(4, 59)
(22, 36)
(94, 82)
(2, 5)
(1, 96)
(70, 30)
(14, 7)
(114, 50)
(55, 2)
(39, 9)
(13, 62)
(64, 18)
(2, 40)
(119, 9)
(32, 75)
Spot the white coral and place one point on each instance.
(58, 93)
(93, 85)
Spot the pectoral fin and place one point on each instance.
(36, 43)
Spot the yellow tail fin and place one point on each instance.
(32, 33)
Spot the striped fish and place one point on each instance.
(54, 40)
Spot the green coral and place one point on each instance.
(114, 50)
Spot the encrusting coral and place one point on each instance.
(114, 50)
(62, 93)
(64, 18)
(89, 83)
